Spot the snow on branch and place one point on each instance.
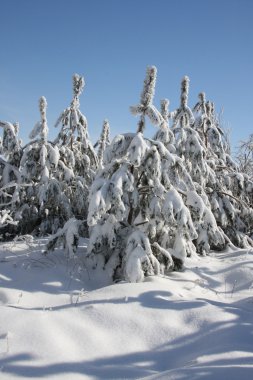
(184, 116)
(41, 126)
(146, 108)
(78, 85)
(68, 236)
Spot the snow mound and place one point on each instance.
(61, 319)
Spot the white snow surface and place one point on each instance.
(61, 319)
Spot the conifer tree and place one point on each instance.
(228, 190)
(139, 223)
(11, 151)
(76, 152)
(10, 179)
(43, 203)
(191, 147)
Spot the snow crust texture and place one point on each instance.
(61, 319)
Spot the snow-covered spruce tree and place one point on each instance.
(177, 173)
(78, 155)
(138, 220)
(228, 189)
(76, 151)
(44, 207)
(9, 190)
(8, 196)
(10, 150)
(191, 149)
(202, 146)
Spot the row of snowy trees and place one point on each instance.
(44, 183)
(145, 204)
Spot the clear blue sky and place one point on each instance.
(111, 42)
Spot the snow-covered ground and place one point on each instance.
(61, 319)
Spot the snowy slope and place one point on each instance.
(61, 319)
